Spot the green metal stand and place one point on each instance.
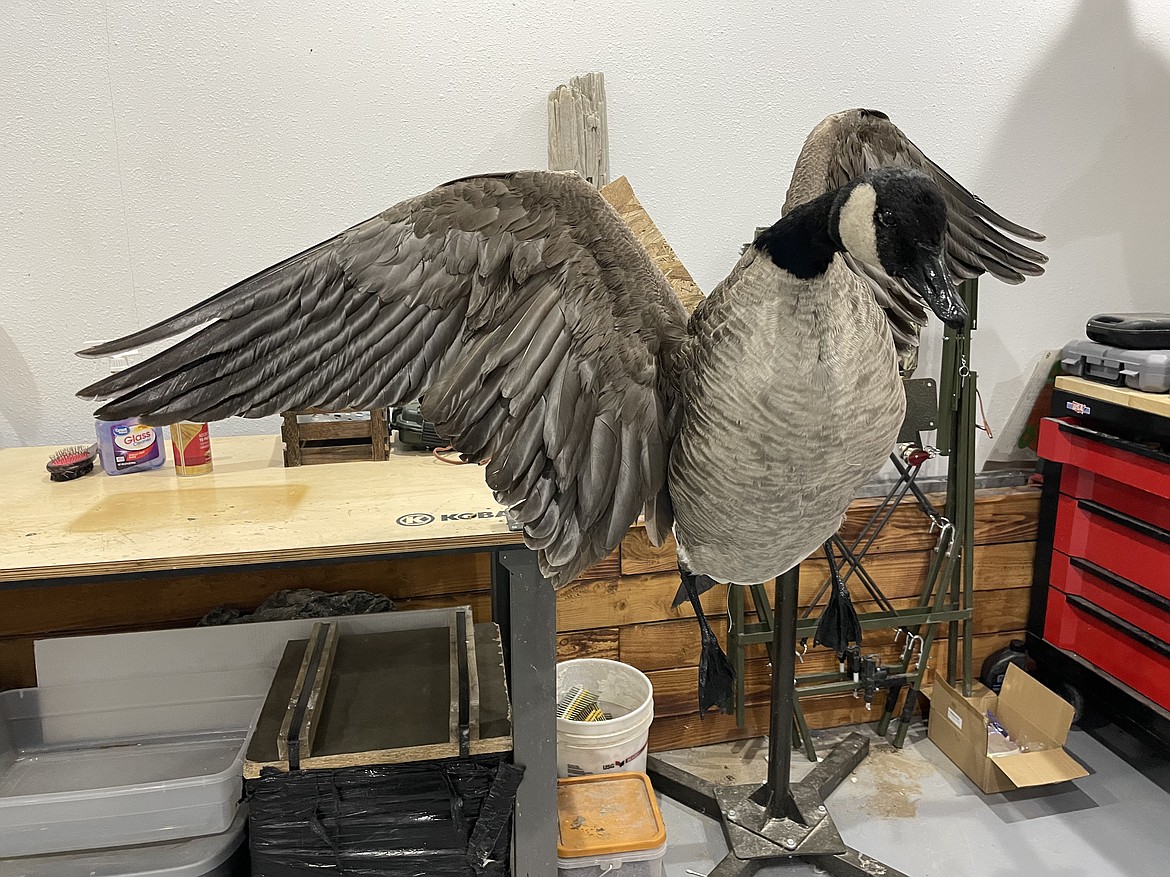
(956, 439)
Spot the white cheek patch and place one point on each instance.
(855, 224)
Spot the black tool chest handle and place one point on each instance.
(1131, 630)
(1125, 520)
(1122, 584)
(1112, 441)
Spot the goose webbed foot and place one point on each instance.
(839, 625)
(716, 676)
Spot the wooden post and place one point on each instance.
(578, 133)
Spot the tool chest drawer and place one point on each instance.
(1136, 503)
(1142, 607)
(1109, 642)
(1115, 541)
(1100, 454)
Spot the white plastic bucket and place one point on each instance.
(617, 744)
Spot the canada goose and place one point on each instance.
(852, 142)
(543, 340)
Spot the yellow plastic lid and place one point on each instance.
(607, 813)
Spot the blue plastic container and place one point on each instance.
(128, 446)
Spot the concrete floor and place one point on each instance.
(917, 812)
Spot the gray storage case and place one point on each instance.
(1145, 370)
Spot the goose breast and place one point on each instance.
(794, 403)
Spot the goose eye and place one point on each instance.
(885, 218)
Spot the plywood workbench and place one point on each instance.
(251, 511)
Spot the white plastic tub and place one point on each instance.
(616, 745)
(639, 863)
(220, 855)
(125, 762)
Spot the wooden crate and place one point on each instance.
(334, 441)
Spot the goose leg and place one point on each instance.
(839, 625)
(716, 676)
(702, 585)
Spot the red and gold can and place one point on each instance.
(191, 448)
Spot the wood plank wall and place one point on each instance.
(620, 609)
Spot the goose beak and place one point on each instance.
(931, 280)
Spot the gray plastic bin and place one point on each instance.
(124, 762)
(220, 855)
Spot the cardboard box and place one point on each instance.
(1028, 711)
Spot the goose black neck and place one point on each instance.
(803, 242)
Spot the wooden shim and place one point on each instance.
(578, 130)
(621, 197)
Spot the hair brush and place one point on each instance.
(70, 463)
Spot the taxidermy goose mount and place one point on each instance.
(543, 341)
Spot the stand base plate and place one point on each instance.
(806, 830)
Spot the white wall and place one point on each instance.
(153, 152)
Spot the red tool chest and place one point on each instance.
(1108, 598)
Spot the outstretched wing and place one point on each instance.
(518, 307)
(979, 240)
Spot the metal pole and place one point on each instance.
(780, 803)
(531, 651)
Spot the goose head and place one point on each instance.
(895, 219)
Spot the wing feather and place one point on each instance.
(979, 239)
(538, 333)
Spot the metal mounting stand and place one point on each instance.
(780, 819)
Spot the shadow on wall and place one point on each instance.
(1098, 104)
(21, 407)
(1085, 140)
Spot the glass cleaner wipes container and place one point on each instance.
(127, 445)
